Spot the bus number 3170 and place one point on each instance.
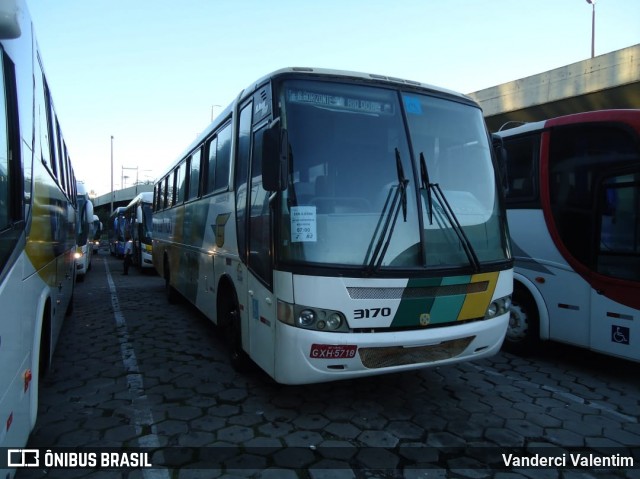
(371, 313)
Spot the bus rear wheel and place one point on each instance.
(170, 291)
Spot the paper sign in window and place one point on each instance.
(303, 223)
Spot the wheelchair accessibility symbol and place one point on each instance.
(619, 334)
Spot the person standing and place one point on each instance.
(128, 252)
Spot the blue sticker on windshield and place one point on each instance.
(412, 105)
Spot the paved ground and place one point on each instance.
(132, 370)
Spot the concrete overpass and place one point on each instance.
(102, 204)
(607, 81)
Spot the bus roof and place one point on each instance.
(370, 78)
(583, 117)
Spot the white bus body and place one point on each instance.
(96, 233)
(573, 205)
(304, 222)
(37, 227)
(84, 227)
(138, 215)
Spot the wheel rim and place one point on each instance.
(518, 323)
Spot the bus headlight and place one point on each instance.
(306, 318)
(311, 318)
(498, 307)
(77, 254)
(334, 321)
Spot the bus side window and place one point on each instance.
(168, 191)
(223, 159)
(618, 253)
(521, 169)
(210, 171)
(181, 179)
(259, 214)
(194, 175)
(241, 175)
(11, 183)
(5, 171)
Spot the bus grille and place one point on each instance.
(417, 292)
(374, 358)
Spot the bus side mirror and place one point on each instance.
(9, 23)
(275, 158)
(139, 214)
(501, 156)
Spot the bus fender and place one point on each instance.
(543, 312)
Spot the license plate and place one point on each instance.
(333, 351)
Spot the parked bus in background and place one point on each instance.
(574, 213)
(37, 226)
(96, 233)
(138, 215)
(84, 227)
(116, 229)
(323, 222)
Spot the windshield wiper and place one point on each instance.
(389, 214)
(448, 213)
(426, 185)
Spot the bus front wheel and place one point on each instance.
(238, 358)
(524, 324)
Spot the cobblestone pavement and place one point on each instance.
(132, 370)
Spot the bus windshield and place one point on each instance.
(147, 222)
(356, 195)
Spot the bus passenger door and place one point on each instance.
(615, 312)
(261, 299)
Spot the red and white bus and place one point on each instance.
(573, 203)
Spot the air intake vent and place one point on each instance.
(417, 292)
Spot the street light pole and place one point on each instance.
(593, 26)
(111, 174)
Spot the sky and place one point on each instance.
(151, 73)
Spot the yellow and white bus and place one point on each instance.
(37, 225)
(339, 224)
(138, 218)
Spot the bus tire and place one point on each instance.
(230, 315)
(170, 291)
(44, 359)
(523, 332)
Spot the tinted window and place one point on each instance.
(211, 164)
(194, 175)
(522, 153)
(579, 158)
(223, 158)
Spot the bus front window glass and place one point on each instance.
(343, 140)
(350, 158)
(453, 141)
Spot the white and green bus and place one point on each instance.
(138, 214)
(37, 226)
(338, 225)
